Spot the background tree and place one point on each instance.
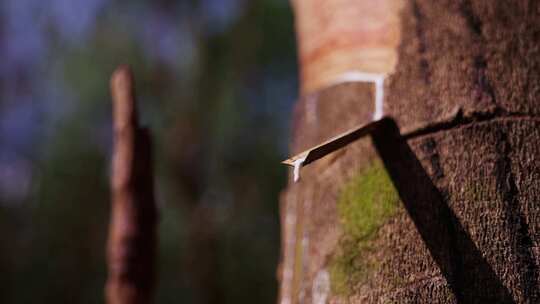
(216, 80)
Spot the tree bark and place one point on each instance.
(461, 154)
(132, 232)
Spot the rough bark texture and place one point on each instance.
(132, 232)
(464, 225)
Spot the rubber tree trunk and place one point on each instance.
(131, 246)
(442, 204)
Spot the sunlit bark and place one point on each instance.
(132, 232)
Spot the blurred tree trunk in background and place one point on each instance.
(216, 82)
(131, 247)
(446, 213)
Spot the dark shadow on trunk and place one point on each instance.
(468, 273)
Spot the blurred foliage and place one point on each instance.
(216, 81)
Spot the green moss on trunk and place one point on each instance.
(365, 204)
